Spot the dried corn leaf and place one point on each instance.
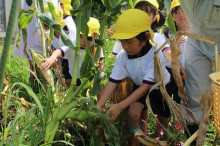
(175, 64)
(147, 140)
(206, 105)
(175, 109)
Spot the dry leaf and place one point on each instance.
(206, 105)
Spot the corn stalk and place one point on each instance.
(9, 33)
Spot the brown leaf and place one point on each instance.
(206, 105)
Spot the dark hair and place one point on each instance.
(161, 21)
(174, 10)
(142, 36)
(147, 7)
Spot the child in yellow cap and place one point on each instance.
(70, 28)
(133, 29)
(94, 26)
(151, 7)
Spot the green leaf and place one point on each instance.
(167, 5)
(24, 35)
(171, 25)
(24, 20)
(31, 93)
(51, 9)
(109, 4)
(97, 83)
(111, 131)
(118, 7)
(66, 40)
(86, 68)
(86, 10)
(46, 18)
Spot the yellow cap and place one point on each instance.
(58, 15)
(131, 23)
(93, 25)
(174, 4)
(153, 2)
(67, 6)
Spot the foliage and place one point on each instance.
(74, 118)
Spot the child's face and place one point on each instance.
(180, 17)
(83, 42)
(132, 46)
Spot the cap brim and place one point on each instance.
(128, 36)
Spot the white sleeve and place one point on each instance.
(117, 47)
(101, 54)
(119, 72)
(160, 40)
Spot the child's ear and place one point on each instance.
(147, 34)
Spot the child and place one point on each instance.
(133, 29)
(151, 7)
(182, 24)
(70, 28)
(94, 26)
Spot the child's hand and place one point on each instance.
(114, 110)
(100, 108)
(47, 63)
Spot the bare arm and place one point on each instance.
(116, 109)
(51, 60)
(109, 88)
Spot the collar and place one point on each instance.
(143, 52)
(65, 16)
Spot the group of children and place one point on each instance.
(137, 38)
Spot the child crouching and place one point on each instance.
(133, 29)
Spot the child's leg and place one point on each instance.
(134, 114)
(144, 120)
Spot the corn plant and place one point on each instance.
(9, 33)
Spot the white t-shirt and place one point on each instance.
(139, 69)
(58, 43)
(117, 47)
(70, 54)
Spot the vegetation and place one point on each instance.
(44, 113)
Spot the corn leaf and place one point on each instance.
(118, 7)
(86, 68)
(110, 131)
(31, 93)
(97, 83)
(171, 25)
(25, 20)
(167, 5)
(81, 115)
(86, 10)
(51, 9)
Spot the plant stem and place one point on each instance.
(9, 33)
(76, 60)
(189, 141)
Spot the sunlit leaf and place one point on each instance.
(97, 83)
(171, 25)
(25, 20)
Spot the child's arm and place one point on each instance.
(115, 109)
(51, 60)
(109, 88)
